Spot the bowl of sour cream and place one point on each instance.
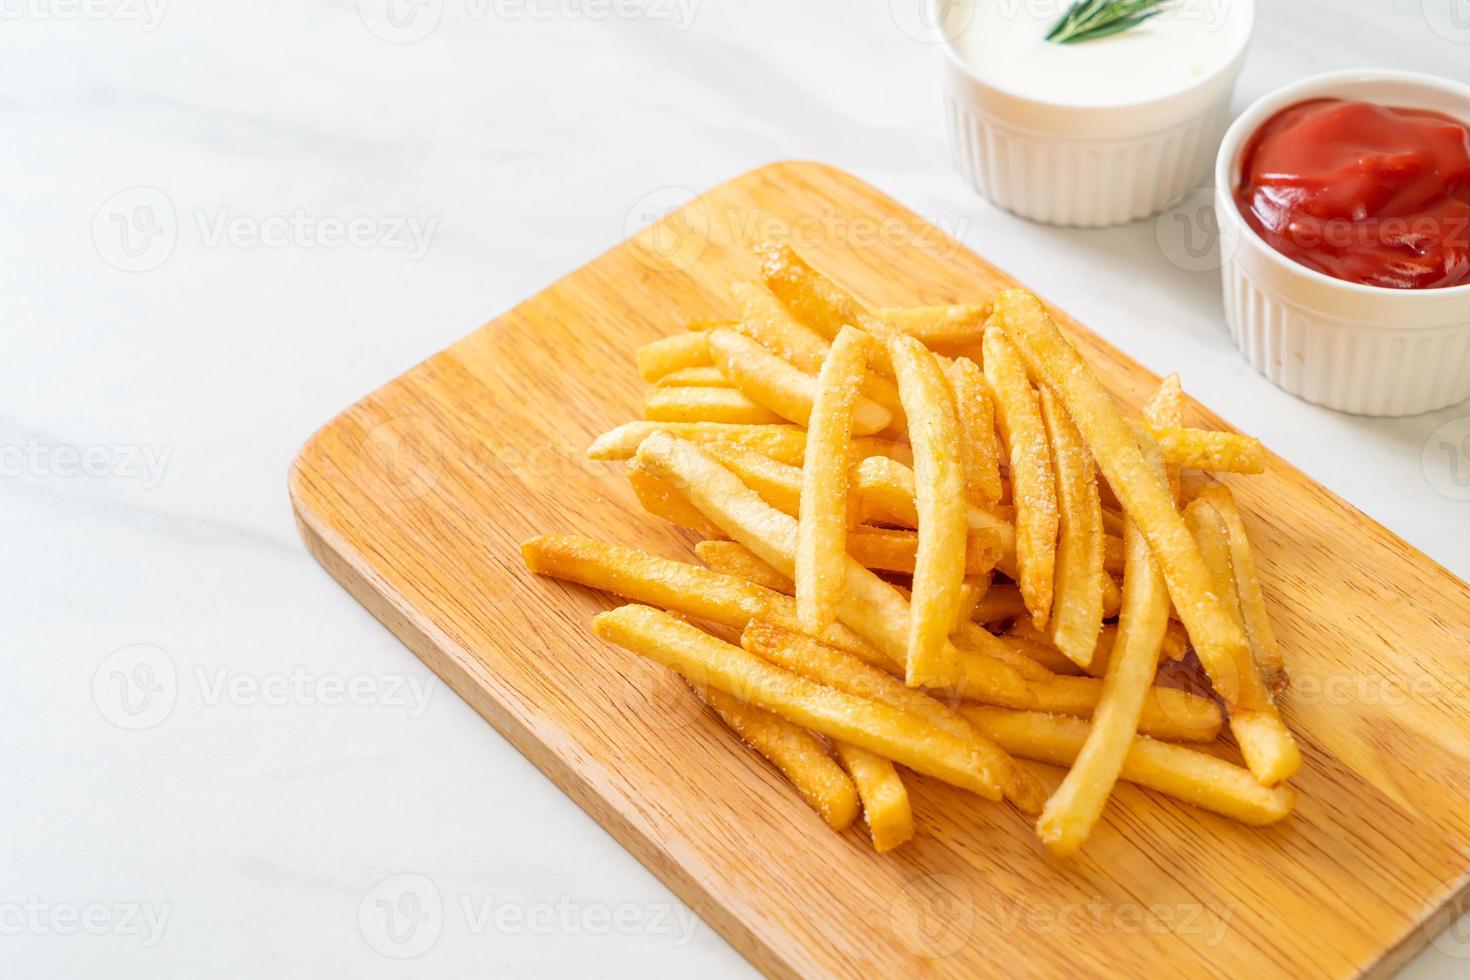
(1090, 133)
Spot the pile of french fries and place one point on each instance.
(933, 543)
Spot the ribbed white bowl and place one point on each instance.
(1362, 349)
(1088, 166)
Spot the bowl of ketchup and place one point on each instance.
(1344, 208)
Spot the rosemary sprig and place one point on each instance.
(1088, 20)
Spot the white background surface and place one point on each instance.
(258, 820)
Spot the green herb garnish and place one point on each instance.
(1088, 20)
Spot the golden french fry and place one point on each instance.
(694, 377)
(1075, 807)
(663, 357)
(887, 489)
(1264, 648)
(834, 668)
(662, 500)
(1112, 594)
(1183, 773)
(1217, 640)
(870, 607)
(706, 660)
(821, 536)
(1033, 483)
(785, 443)
(1168, 714)
(1270, 752)
(777, 483)
(1113, 560)
(939, 565)
(979, 445)
(971, 637)
(1165, 407)
(895, 550)
(780, 387)
(1200, 449)
(674, 585)
(1000, 603)
(1077, 602)
(793, 750)
(886, 807)
(816, 300)
(727, 405)
(1175, 645)
(941, 327)
(733, 558)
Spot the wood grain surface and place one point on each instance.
(417, 499)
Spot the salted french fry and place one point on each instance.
(1075, 807)
(941, 327)
(1077, 602)
(1200, 449)
(1168, 714)
(1270, 752)
(785, 443)
(1218, 640)
(1175, 645)
(969, 636)
(793, 750)
(1165, 407)
(886, 808)
(664, 357)
(679, 587)
(777, 483)
(939, 565)
(733, 558)
(1183, 773)
(821, 537)
(976, 585)
(816, 300)
(870, 607)
(979, 445)
(727, 405)
(1033, 482)
(663, 500)
(706, 660)
(887, 489)
(1264, 648)
(834, 668)
(695, 377)
(780, 387)
(1001, 602)
(895, 550)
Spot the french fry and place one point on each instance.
(895, 550)
(674, 585)
(821, 548)
(1165, 407)
(1112, 594)
(1264, 648)
(1000, 603)
(1077, 602)
(979, 446)
(662, 500)
(941, 327)
(939, 565)
(1174, 647)
(969, 636)
(780, 387)
(1270, 752)
(1183, 773)
(785, 443)
(706, 660)
(694, 377)
(834, 668)
(733, 558)
(886, 807)
(664, 357)
(870, 607)
(777, 483)
(795, 752)
(1113, 560)
(1218, 640)
(1167, 714)
(816, 300)
(1220, 452)
(887, 489)
(727, 405)
(1075, 807)
(1033, 482)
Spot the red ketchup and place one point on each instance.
(1367, 193)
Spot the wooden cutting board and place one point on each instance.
(417, 499)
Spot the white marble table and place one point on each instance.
(212, 756)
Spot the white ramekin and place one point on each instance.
(1085, 166)
(1369, 350)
